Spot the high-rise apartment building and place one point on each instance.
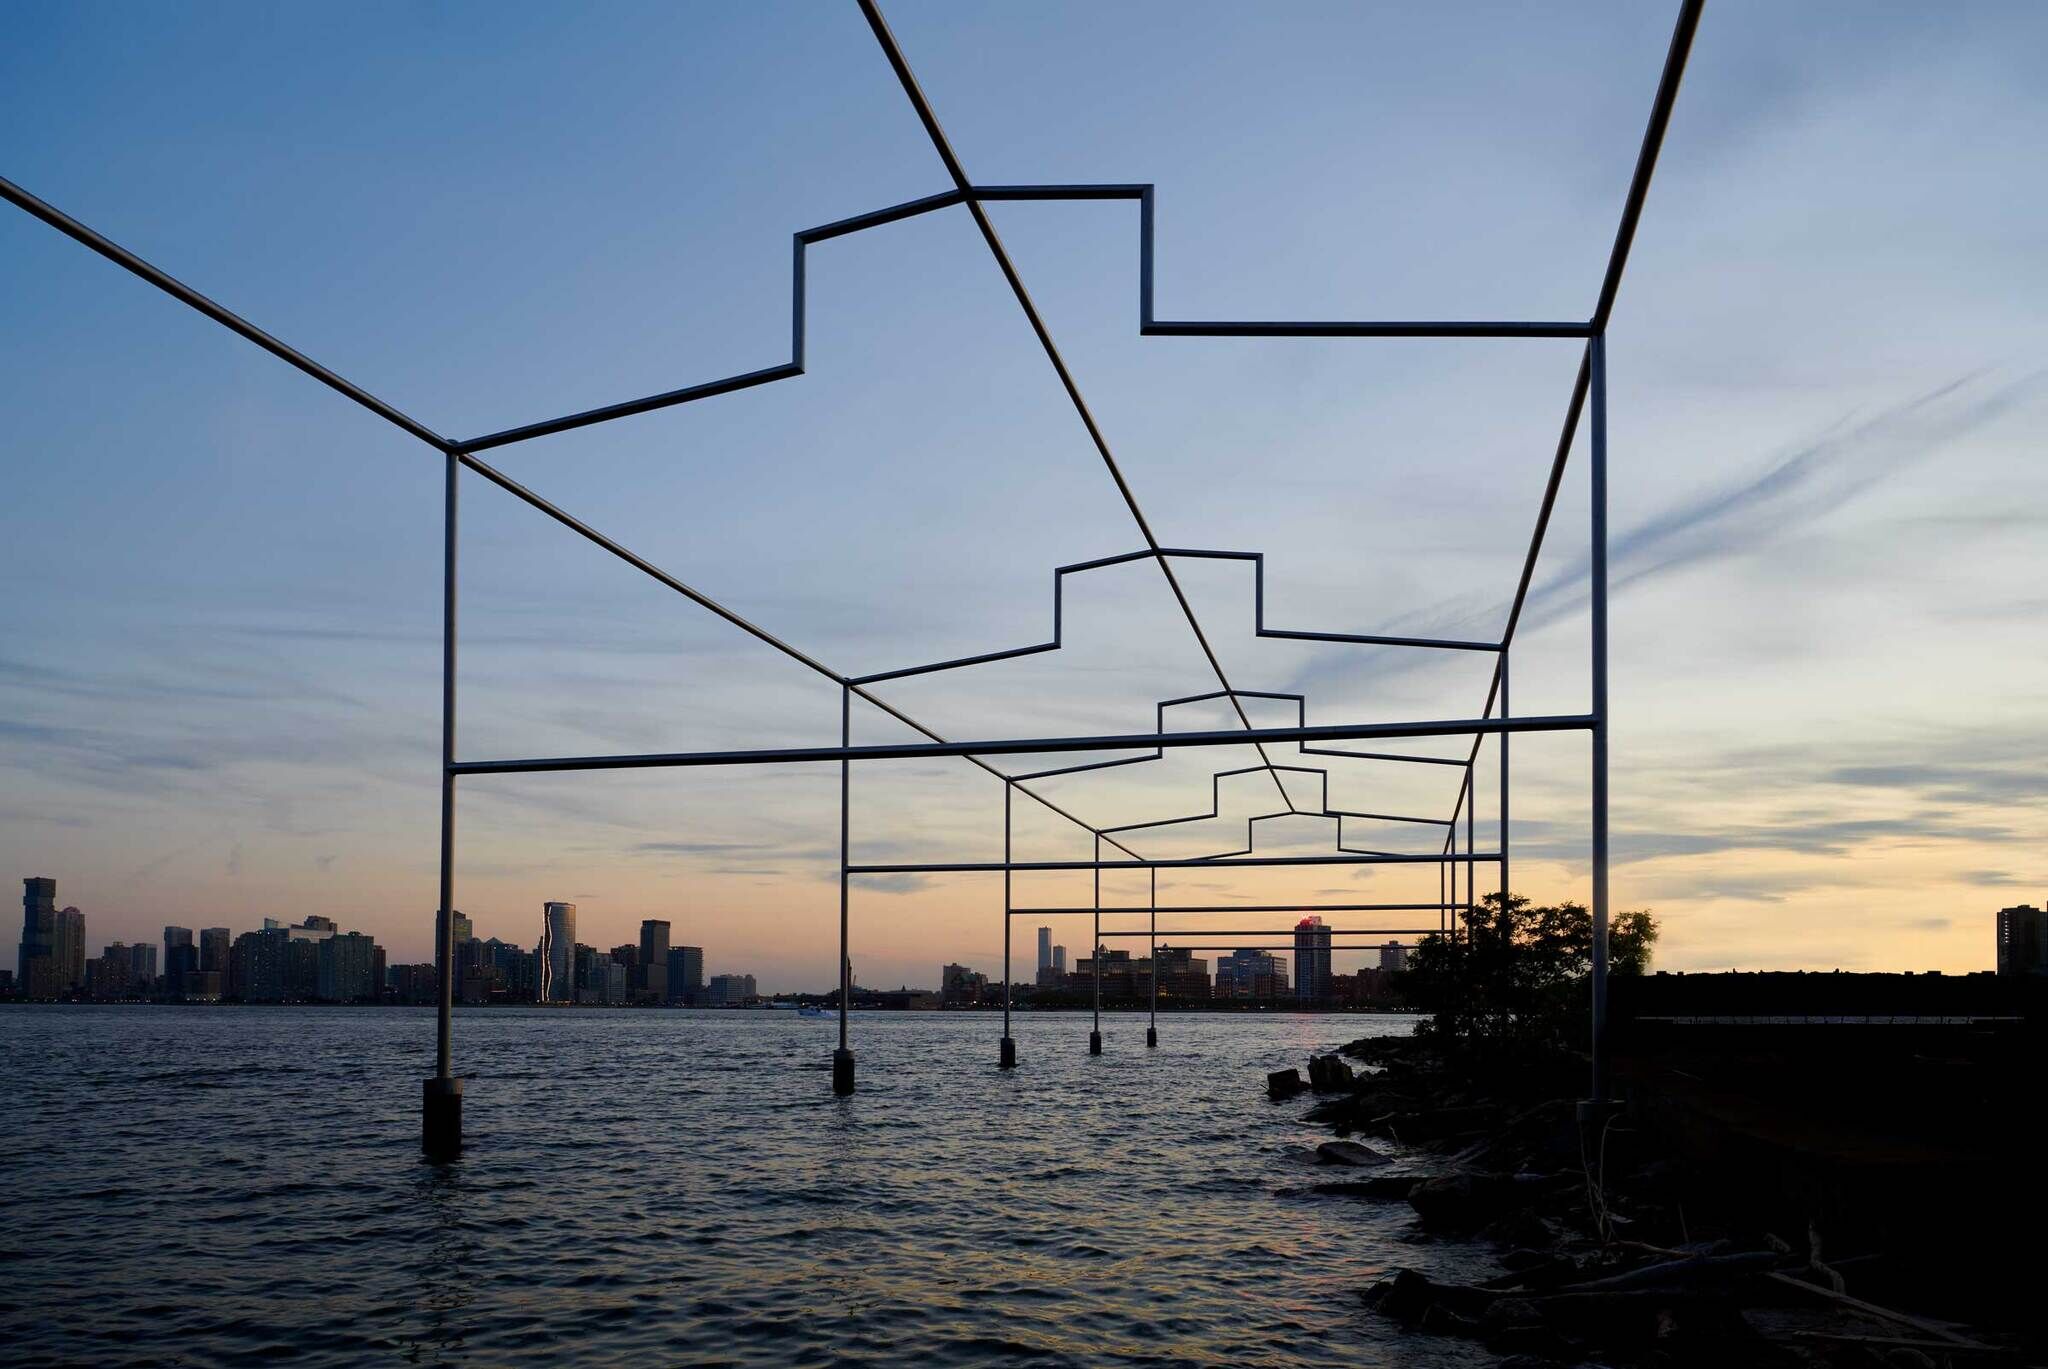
(213, 949)
(1311, 960)
(1182, 974)
(180, 955)
(652, 970)
(731, 990)
(1059, 959)
(686, 975)
(142, 965)
(1254, 974)
(557, 953)
(344, 968)
(1393, 957)
(2023, 940)
(259, 965)
(36, 966)
(68, 949)
(108, 976)
(463, 931)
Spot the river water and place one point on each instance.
(239, 1185)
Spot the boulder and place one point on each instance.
(1328, 1073)
(1339, 1111)
(1404, 1297)
(1283, 1083)
(1350, 1153)
(1414, 1300)
(1389, 1187)
(1462, 1202)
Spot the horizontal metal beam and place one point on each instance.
(646, 567)
(1458, 727)
(997, 866)
(1271, 946)
(1151, 327)
(1284, 931)
(1237, 908)
(1389, 328)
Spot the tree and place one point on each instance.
(1514, 984)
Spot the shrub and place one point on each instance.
(1515, 984)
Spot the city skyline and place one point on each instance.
(2019, 945)
(229, 713)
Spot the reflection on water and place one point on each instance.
(226, 1185)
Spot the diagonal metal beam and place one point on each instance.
(226, 318)
(944, 147)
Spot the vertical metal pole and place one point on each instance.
(1152, 939)
(1471, 841)
(1095, 1033)
(1505, 886)
(1451, 872)
(441, 1096)
(1442, 896)
(1008, 1057)
(1596, 356)
(842, 1059)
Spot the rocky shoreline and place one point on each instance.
(1610, 1253)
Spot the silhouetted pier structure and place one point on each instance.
(442, 1093)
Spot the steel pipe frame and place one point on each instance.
(1234, 908)
(1276, 931)
(991, 867)
(1281, 946)
(1592, 377)
(1015, 746)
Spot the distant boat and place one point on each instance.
(809, 1010)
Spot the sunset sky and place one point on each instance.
(219, 675)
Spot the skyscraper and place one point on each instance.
(1311, 960)
(557, 954)
(1251, 973)
(1059, 959)
(653, 964)
(686, 975)
(1044, 950)
(36, 972)
(68, 949)
(463, 931)
(213, 949)
(2022, 944)
(1393, 957)
(344, 967)
(180, 955)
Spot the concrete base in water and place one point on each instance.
(1151, 1036)
(441, 1118)
(842, 1071)
(1009, 1061)
(1095, 1043)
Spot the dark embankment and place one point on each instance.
(1828, 1187)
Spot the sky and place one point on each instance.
(219, 656)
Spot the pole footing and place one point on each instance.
(842, 1071)
(1151, 1036)
(1596, 1111)
(1009, 1061)
(441, 1117)
(1095, 1043)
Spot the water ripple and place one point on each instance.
(242, 1186)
